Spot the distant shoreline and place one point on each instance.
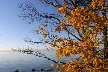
(32, 49)
(5, 50)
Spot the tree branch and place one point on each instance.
(72, 34)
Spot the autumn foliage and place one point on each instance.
(90, 23)
(87, 29)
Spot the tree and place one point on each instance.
(85, 22)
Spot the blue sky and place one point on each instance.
(12, 28)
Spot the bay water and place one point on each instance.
(12, 60)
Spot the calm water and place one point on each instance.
(10, 61)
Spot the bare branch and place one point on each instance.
(72, 34)
(37, 53)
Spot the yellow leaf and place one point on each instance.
(45, 25)
(52, 64)
(37, 31)
(40, 28)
